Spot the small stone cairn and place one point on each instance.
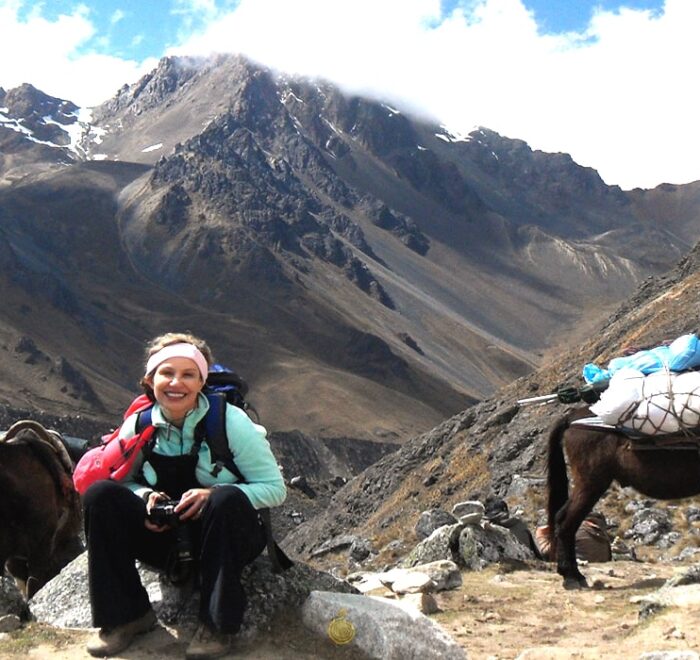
(449, 543)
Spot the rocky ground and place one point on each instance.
(498, 613)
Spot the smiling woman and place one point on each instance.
(207, 513)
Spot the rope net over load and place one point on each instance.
(660, 403)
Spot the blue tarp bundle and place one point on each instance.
(681, 355)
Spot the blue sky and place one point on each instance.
(563, 16)
(609, 81)
(138, 29)
(132, 29)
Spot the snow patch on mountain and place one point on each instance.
(17, 126)
(451, 135)
(76, 125)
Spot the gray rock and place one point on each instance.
(302, 484)
(65, 602)
(9, 622)
(469, 513)
(471, 518)
(366, 582)
(688, 553)
(520, 486)
(442, 544)
(649, 525)
(336, 544)
(360, 549)
(11, 600)
(691, 576)
(380, 627)
(692, 514)
(633, 506)
(444, 573)
(679, 591)
(413, 583)
(666, 541)
(431, 520)
(479, 547)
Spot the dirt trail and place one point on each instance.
(497, 614)
(501, 615)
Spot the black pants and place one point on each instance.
(229, 536)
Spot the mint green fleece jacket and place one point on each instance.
(248, 443)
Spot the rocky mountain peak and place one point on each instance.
(530, 170)
(152, 89)
(159, 89)
(27, 102)
(39, 118)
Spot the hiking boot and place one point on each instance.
(110, 641)
(208, 643)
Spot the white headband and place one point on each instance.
(184, 350)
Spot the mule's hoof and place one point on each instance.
(579, 582)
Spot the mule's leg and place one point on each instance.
(39, 573)
(569, 519)
(565, 558)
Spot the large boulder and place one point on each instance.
(480, 546)
(441, 544)
(65, 602)
(378, 628)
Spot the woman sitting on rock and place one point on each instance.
(219, 511)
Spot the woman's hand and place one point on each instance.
(154, 497)
(192, 503)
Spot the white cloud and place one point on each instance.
(117, 16)
(619, 97)
(47, 54)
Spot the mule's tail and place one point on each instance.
(557, 479)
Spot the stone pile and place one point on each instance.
(465, 537)
(410, 587)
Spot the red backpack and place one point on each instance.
(113, 458)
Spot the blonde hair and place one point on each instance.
(160, 342)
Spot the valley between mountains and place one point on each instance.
(367, 272)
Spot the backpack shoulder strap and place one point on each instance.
(143, 420)
(216, 438)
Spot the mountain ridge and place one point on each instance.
(365, 256)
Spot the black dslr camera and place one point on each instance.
(181, 558)
(163, 513)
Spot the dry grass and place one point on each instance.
(31, 635)
(466, 471)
